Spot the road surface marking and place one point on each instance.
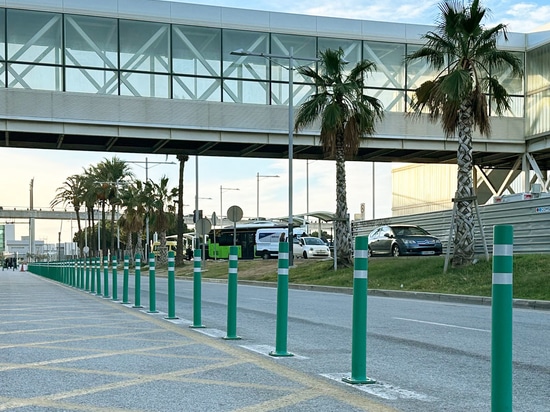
(443, 324)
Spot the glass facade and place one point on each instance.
(538, 91)
(110, 56)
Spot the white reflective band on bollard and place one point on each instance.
(360, 274)
(503, 250)
(361, 254)
(502, 278)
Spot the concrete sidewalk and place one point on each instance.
(62, 349)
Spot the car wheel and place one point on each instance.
(369, 252)
(265, 255)
(305, 254)
(395, 251)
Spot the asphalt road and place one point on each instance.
(424, 355)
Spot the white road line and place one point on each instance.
(443, 324)
(381, 389)
(266, 350)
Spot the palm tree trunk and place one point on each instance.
(179, 246)
(103, 230)
(79, 225)
(464, 235)
(113, 211)
(341, 224)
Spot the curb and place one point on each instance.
(437, 297)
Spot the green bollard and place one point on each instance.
(81, 262)
(197, 290)
(137, 283)
(359, 324)
(282, 302)
(105, 276)
(115, 279)
(232, 294)
(502, 302)
(171, 287)
(87, 270)
(125, 280)
(152, 285)
(98, 275)
(92, 268)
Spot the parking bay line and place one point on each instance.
(442, 324)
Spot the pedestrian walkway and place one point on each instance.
(62, 349)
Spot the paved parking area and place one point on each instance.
(62, 349)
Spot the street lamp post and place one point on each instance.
(223, 189)
(291, 67)
(258, 176)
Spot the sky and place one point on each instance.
(49, 169)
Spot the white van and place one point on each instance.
(267, 241)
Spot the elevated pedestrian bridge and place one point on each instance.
(152, 76)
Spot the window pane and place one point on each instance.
(245, 67)
(279, 93)
(390, 67)
(25, 76)
(2, 34)
(512, 84)
(91, 42)
(302, 46)
(196, 50)
(34, 37)
(245, 92)
(144, 85)
(392, 100)
(144, 46)
(2, 74)
(419, 70)
(352, 49)
(91, 81)
(197, 88)
(516, 108)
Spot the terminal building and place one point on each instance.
(151, 76)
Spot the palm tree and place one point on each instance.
(72, 192)
(179, 248)
(114, 171)
(347, 115)
(133, 220)
(162, 213)
(465, 54)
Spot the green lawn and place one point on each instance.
(423, 274)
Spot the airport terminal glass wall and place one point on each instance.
(101, 55)
(538, 91)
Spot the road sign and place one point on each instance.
(203, 226)
(234, 213)
(214, 219)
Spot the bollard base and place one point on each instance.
(171, 317)
(124, 303)
(231, 337)
(137, 306)
(152, 311)
(274, 353)
(197, 326)
(358, 381)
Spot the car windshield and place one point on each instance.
(312, 241)
(409, 231)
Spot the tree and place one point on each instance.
(113, 172)
(133, 200)
(179, 248)
(162, 213)
(347, 115)
(465, 54)
(72, 192)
